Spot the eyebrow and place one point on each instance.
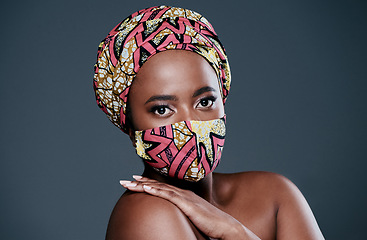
(174, 98)
(203, 90)
(161, 98)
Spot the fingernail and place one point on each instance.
(137, 177)
(146, 187)
(123, 182)
(126, 183)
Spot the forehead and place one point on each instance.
(175, 70)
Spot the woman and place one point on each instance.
(162, 77)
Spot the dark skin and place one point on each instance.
(247, 205)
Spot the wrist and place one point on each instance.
(237, 231)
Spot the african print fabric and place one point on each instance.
(145, 33)
(187, 150)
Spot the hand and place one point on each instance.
(210, 220)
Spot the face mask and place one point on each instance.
(187, 150)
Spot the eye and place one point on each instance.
(206, 102)
(161, 110)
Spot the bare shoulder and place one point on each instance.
(269, 199)
(275, 189)
(142, 216)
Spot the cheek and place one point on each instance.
(139, 119)
(215, 113)
(220, 108)
(143, 119)
(136, 118)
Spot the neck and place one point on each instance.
(202, 188)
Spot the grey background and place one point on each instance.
(296, 107)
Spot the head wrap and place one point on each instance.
(141, 35)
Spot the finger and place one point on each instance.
(164, 191)
(155, 188)
(160, 186)
(143, 179)
(138, 185)
(133, 186)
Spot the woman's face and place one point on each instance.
(173, 86)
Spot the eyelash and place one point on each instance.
(156, 108)
(209, 98)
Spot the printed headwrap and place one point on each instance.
(141, 35)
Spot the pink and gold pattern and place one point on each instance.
(147, 32)
(187, 150)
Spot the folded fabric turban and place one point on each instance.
(143, 34)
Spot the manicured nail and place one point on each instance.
(137, 177)
(146, 187)
(126, 183)
(123, 182)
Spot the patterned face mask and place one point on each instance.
(187, 150)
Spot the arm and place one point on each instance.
(295, 219)
(210, 220)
